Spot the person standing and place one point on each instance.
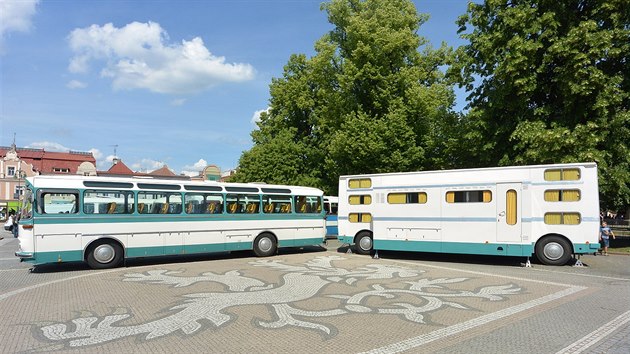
(604, 236)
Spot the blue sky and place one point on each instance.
(159, 82)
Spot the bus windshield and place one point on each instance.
(26, 211)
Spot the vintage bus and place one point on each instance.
(331, 204)
(104, 220)
(551, 211)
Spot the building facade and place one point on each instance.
(19, 163)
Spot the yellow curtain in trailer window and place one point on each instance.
(511, 207)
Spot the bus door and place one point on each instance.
(509, 212)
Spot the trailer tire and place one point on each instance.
(363, 243)
(553, 250)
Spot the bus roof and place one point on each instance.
(132, 183)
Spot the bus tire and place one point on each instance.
(553, 250)
(265, 245)
(363, 243)
(104, 254)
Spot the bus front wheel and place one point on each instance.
(104, 254)
(553, 250)
(265, 245)
(364, 243)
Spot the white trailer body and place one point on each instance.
(548, 210)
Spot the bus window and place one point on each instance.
(108, 202)
(242, 203)
(308, 204)
(203, 203)
(275, 204)
(59, 202)
(160, 202)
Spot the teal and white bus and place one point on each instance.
(103, 220)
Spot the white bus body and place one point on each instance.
(331, 205)
(551, 211)
(103, 220)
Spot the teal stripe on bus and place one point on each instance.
(135, 252)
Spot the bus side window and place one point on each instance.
(59, 201)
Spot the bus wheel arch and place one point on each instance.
(364, 242)
(553, 249)
(265, 244)
(104, 253)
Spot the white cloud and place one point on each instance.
(178, 102)
(48, 146)
(194, 169)
(138, 56)
(256, 116)
(75, 84)
(16, 16)
(147, 165)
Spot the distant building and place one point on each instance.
(19, 163)
(213, 173)
(119, 169)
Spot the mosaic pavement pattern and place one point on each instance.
(294, 303)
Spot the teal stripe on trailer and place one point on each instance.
(581, 248)
(494, 249)
(346, 239)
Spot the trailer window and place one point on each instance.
(469, 196)
(407, 198)
(360, 183)
(562, 195)
(511, 207)
(562, 174)
(562, 218)
(360, 217)
(360, 199)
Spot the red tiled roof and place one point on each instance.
(163, 171)
(120, 168)
(46, 162)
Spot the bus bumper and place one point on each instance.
(25, 256)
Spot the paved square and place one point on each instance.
(307, 303)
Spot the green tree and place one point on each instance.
(549, 82)
(372, 99)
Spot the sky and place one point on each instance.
(157, 82)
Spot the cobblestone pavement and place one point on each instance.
(316, 301)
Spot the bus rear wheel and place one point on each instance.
(553, 250)
(104, 254)
(363, 243)
(265, 245)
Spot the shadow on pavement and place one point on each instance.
(175, 259)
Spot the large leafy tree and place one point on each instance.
(372, 99)
(549, 82)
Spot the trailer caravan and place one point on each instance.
(551, 211)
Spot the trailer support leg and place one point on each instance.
(375, 255)
(578, 262)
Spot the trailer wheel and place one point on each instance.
(363, 243)
(265, 245)
(553, 250)
(104, 254)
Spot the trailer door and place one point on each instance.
(509, 212)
